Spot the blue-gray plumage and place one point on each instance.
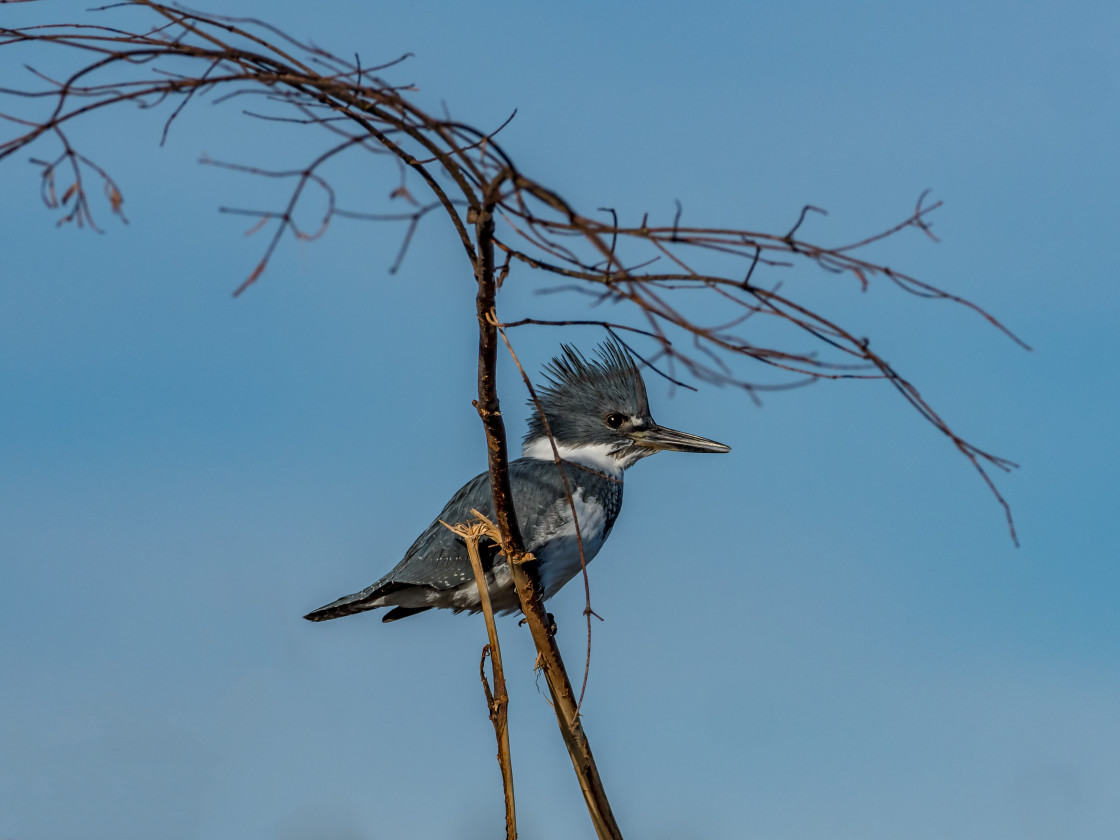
(598, 414)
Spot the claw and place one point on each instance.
(550, 623)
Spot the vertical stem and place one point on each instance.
(528, 589)
(487, 403)
(498, 706)
(499, 700)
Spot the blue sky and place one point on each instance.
(826, 634)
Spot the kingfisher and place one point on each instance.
(598, 415)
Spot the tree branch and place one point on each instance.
(528, 587)
(498, 700)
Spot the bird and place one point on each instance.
(598, 415)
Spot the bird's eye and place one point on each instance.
(615, 420)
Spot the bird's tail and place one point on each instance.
(347, 605)
(368, 599)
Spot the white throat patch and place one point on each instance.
(597, 456)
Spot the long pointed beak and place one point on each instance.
(660, 438)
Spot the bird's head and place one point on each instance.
(597, 408)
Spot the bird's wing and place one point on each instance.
(439, 558)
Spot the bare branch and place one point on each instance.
(498, 700)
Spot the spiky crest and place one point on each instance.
(580, 392)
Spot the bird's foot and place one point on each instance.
(550, 623)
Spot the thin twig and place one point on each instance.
(498, 700)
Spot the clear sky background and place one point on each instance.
(826, 634)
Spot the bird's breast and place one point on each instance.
(563, 551)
